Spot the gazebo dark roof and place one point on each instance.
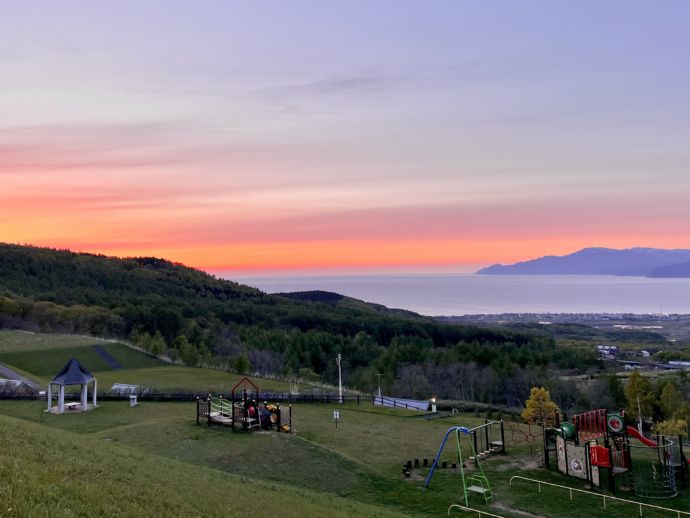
(73, 373)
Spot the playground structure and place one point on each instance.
(480, 435)
(518, 435)
(243, 410)
(597, 445)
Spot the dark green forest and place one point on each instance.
(198, 319)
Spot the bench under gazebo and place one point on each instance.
(73, 373)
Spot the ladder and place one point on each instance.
(479, 484)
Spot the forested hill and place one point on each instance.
(171, 309)
(645, 262)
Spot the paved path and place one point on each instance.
(106, 357)
(7, 373)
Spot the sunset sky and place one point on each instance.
(325, 136)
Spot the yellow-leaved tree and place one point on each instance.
(672, 428)
(640, 397)
(539, 409)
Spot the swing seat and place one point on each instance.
(478, 489)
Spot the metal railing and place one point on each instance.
(479, 513)
(192, 396)
(640, 505)
(389, 402)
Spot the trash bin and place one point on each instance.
(133, 400)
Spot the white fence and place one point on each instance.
(409, 404)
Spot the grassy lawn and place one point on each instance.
(153, 460)
(170, 377)
(360, 461)
(41, 356)
(45, 363)
(65, 475)
(17, 341)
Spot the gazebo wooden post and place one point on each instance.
(61, 400)
(84, 396)
(50, 396)
(95, 385)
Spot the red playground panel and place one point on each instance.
(600, 456)
(590, 425)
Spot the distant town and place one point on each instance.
(670, 325)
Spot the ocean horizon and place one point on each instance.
(471, 294)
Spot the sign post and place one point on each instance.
(336, 417)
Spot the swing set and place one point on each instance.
(478, 482)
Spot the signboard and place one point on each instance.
(615, 423)
(577, 461)
(600, 456)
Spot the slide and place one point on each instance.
(632, 432)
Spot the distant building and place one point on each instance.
(15, 386)
(645, 354)
(124, 388)
(677, 363)
(608, 352)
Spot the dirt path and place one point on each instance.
(7, 373)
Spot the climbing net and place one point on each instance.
(653, 468)
(520, 433)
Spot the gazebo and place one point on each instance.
(73, 373)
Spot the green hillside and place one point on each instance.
(40, 356)
(47, 363)
(153, 460)
(44, 473)
(193, 317)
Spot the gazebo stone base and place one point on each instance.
(71, 409)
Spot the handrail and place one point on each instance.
(392, 402)
(479, 515)
(604, 497)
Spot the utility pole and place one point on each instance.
(338, 360)
(378, 375)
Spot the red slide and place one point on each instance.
(632, 432)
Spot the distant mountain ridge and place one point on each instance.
(640, 262)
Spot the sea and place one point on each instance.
(470, 294)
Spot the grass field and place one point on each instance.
(46, 363)
(360, 461)
(18, 341)
(68, 475)
(154, 460)
(41, 356)
(171, 377)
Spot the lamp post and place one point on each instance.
(378, 375)
(338, 360)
